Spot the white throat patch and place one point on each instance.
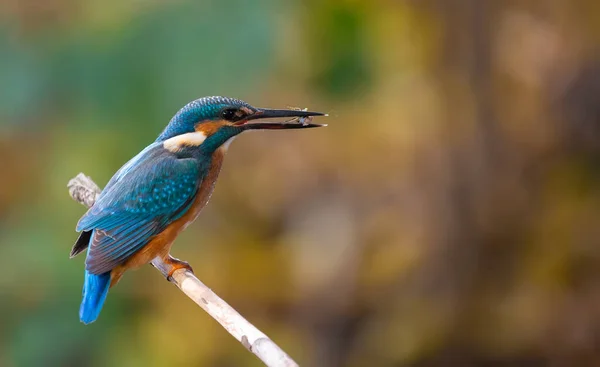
(226, 145)
(175, 143)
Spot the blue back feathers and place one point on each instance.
(138, 204)
(202, 109)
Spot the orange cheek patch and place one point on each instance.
(210, 127)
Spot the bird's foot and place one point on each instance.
(176, 264)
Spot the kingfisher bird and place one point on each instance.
(160, 191)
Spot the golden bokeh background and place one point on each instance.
(449, 215)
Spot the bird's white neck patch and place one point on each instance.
(176, 143)
(226, 145)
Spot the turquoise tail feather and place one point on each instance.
(95, 289)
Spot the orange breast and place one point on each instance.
(160, 245)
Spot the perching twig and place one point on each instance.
(85, 191)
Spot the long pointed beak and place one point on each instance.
(267, 113)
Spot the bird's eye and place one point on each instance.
(232, 115)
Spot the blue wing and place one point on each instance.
(141, 200)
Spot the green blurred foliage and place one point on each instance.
(447, 216)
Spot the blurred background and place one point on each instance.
(448, 216)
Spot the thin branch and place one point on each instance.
(83, 190)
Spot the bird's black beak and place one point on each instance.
(297, 119)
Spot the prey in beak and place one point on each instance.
(296, 119)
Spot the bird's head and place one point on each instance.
(212, 121)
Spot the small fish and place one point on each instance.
(301, 120)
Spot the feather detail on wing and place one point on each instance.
(138, 204)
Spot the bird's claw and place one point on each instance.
(175, 265)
